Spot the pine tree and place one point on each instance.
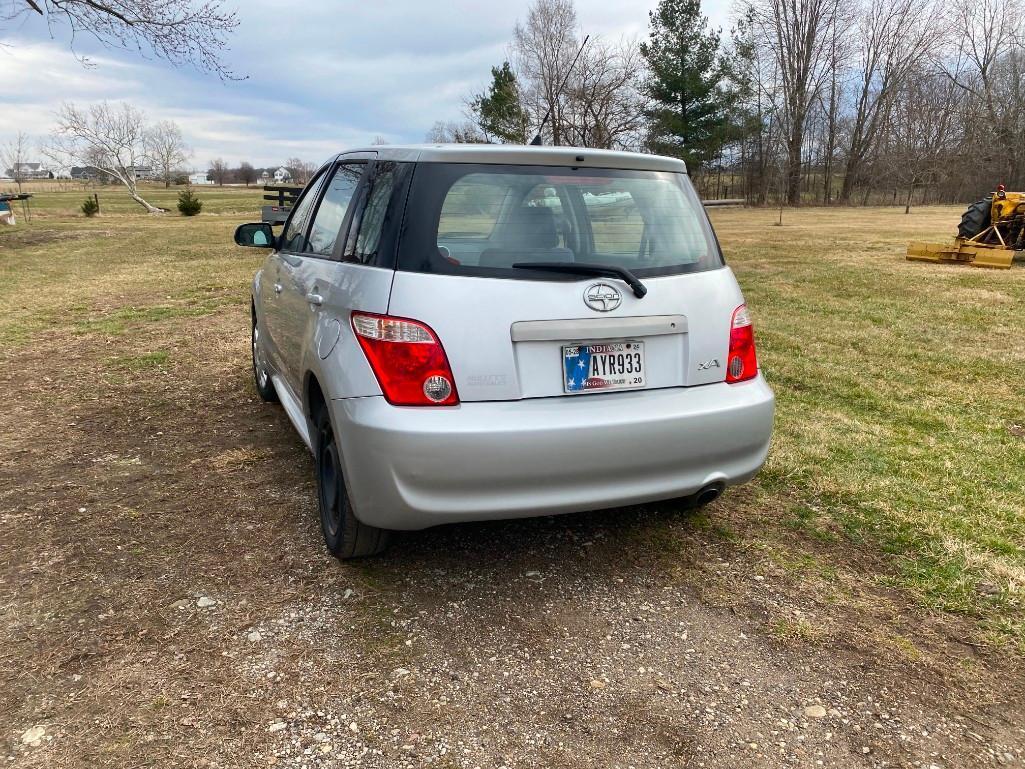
(685, 83)
(499, 113)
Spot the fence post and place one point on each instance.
(97, 199)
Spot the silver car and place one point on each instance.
(470, 332)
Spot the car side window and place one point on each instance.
(373, 218)
(292, 239)
(330, 215)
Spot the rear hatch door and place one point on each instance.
(514, 332)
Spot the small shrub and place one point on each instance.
(188, 203)
(90, 207)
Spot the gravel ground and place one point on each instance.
(165, 601)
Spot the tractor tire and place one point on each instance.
(975, 219)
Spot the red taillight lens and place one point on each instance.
(741, 362)
(408, 360)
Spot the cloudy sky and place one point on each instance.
(322, 75)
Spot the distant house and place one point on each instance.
(200, 178)
(282, 175)
(265, 177)
(143, 172)
(29, 171)
(85, 173)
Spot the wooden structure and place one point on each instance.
(283, 197)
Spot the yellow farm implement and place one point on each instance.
(991, 234)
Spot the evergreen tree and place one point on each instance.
(499, 113)
(685, 84)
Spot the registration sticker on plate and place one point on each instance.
(609, 366)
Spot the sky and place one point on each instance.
(321, 76)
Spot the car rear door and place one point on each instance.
(287, 306)
(275, 284)
(513, 333)
(347, 265)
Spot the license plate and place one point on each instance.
(611, 366)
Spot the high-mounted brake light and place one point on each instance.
(408, 360)
(741, 362)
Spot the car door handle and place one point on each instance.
(278, 288)
(315, 299)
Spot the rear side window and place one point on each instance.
(327, 222)
(482, 219)
(374, 230)
(372, 223)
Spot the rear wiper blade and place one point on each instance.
(584, 268)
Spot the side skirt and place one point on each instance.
(294, 410)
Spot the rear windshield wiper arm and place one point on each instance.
(584, 268)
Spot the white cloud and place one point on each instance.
(321, 75)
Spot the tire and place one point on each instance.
(261, 379)
(344, 534)
(975, 219)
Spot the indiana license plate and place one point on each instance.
(608, 366)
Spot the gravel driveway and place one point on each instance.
(165, 601)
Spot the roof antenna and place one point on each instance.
(536, 141)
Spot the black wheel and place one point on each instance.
(344, 534)
(975, 219)
(264, 387)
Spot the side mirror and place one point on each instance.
(255, 235)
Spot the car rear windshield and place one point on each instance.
(469, 219)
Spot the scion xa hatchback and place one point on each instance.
(473, 332)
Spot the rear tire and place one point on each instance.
(261, 378)
(975, 219)
(344, 534)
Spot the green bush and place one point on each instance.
(188, 203)
(90, 207)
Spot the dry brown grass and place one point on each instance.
(138, 473)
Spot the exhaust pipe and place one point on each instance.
(708, 494)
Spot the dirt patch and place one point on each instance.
(29, 238)
(165, 600)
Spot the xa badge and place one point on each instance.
(602, 297)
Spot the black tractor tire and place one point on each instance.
(344, 534)
(975, 219)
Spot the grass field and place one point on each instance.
(891, 508)
(901, 422)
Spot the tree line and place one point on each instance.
(801, 101)
(117, 144)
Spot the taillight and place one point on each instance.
(741, 362)
(408, 360)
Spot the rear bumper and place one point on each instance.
(411, 468)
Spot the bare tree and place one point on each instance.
(603, 100)
(246, 173)
(921, 131)
(894, 37)
(990, 35)
(798, 34)
(166, 149)
(177, 31)
(544, 47)
(109, 138)
(299, 170)
(218, 171)
(450, 132)
(14, 156)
